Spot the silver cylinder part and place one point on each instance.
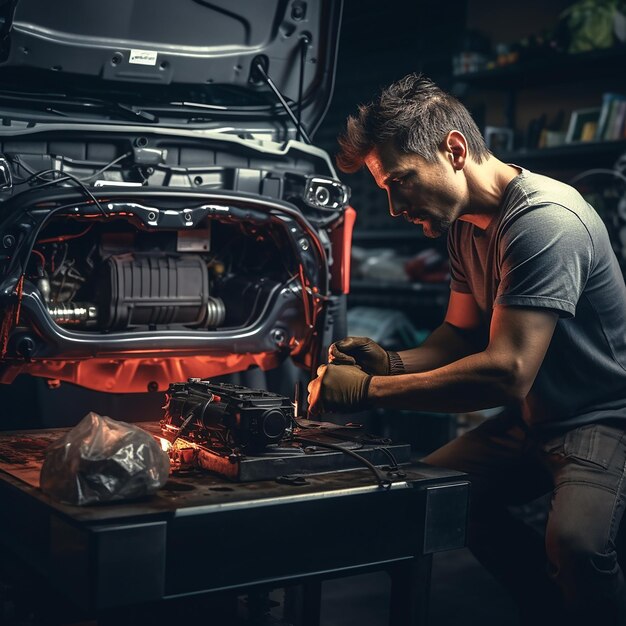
(216, 312)
(75, 313)
(43, 284)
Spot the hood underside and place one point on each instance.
(189, 50)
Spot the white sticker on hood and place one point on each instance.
(143, 57)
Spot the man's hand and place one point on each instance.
(366, 354)
(338, 389)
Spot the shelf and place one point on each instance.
(567, 154)
(553, 69)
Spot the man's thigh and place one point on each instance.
(588, 467)
(501, 460)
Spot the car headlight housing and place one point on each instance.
(325, 193)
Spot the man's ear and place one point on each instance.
(455, 148)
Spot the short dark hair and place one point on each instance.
(413, 113)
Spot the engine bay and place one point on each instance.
(125, 264)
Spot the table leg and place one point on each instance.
(410, 590)
(303, 604)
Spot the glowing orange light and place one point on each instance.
(166, 446)
(134, 375)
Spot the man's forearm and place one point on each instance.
(475, 382)
(444, 345)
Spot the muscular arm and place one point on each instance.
(504, 371)
(454, 339)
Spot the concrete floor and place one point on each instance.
(461, 592)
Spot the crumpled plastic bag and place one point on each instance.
(101, 460)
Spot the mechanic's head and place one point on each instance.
(416, 141)
(414, 116)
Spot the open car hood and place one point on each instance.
(206, 52)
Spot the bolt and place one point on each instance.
(153, 386)
(279, 337)
(26, 346)
(187, 216)
(304, 244)
(8, 241)
(151, 216)
(298, 11)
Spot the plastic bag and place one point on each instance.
(101, 460)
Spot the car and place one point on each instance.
(164, 213)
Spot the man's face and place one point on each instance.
(430, 194)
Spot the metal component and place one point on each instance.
(8, 241)
(148, 156)
(116, 183)
(6, 180)
(43, 284)
(75, 313)
(279, 337)
(446, 517)
(226, 418)
(26, 346)
(323, 192)
(304, 244)
(298, 11)
(322, 196)
(216, 311)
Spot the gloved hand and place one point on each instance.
(338, 389)
(366, 354)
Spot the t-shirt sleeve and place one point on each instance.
(545, 256)
(458, 280)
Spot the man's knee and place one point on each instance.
(443, 457)
(579, 563)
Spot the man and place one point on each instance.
(536, 322)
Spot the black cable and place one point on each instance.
(107, 166)
(383, 481)
(53, 211)
(392, 459)
(64, 177)
(80, 183)
(16, 159)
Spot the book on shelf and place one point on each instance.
(583, 125)
(617, 129)
(611, 118)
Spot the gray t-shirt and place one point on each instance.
(548, 248)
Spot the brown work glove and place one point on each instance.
(339, 389)
(366, 354)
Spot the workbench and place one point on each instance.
(202, 534)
